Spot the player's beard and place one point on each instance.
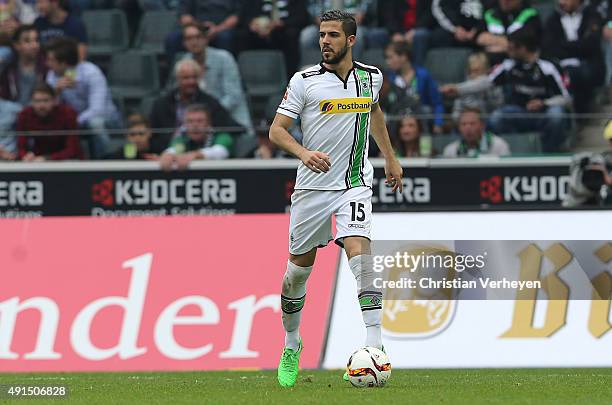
(334, 60)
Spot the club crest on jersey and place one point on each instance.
(346, 105)
(365, 85)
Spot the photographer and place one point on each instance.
(591, 177)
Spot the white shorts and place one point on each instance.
(311, 217)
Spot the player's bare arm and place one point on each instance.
(393, 169)
(316, 161)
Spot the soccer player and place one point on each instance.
(337, 102)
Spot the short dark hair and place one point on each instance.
(63, 4)
(471, 109)
(43, 87)
(21, 30)
(134, 120)
(197, 108)
(525, 37)
(349, 25)
(401, 48)
(65, 50)
(200, 27)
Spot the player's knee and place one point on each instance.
(304, 260)
(355, 246)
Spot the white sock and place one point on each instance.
(292, 301)
(370, 298)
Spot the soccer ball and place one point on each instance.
(368, 367)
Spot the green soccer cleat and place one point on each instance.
(289, 366)
(345, 376)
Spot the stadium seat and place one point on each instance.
(309, 57)
(271, 106)
(153, 30)
(374, 57)
(146, 105)
(107, 32)
(439, 142)
(133, 75)
(171, 79)
(120, 104)
(447, 65)
(117, 138)
(264, 74)
(527, 143)
(545, 9)
(244, 145)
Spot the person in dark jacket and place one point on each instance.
(402, 17)
(273, 25)
(507, 17)
(572, 37)
(28, 67)
(536, 96)
(219, 16)
(456, 23)
(45, 114)
(169, 109)
(55, 20)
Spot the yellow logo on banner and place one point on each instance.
(346, 105)
(427, 314)
(555, 318)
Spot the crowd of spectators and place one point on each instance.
(525, 72)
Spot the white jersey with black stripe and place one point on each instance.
(335, 119)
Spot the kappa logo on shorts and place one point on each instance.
(346, 105)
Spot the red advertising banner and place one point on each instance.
(170, 293)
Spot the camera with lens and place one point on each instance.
(590, 180)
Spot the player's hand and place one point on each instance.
(316, 161)
(394, 174)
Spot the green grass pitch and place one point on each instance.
(469, 386)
